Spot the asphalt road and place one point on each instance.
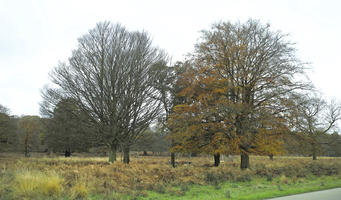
(332, 194)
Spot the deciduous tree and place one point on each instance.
(152, 140)
(314, 118)
(111, 75)
(169, 82)
(8, 130)
(69, 128)
(244, 75)
(30, 133)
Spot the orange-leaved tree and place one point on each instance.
(236, 94)
(197, 125)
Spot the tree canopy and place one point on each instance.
(111, 75)
(238, 91)
(69, 128)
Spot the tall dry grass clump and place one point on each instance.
(29, 184)
(79, 191)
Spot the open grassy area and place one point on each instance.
(153, 178)
(258, 188)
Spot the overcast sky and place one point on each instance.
(36, 35)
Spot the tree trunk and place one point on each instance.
(173, 159)
(126, 158)
(27, 152)
(271, 156)
(314, 154)
(145, 153)
(216, 159)
(112, 153)
(244, 161)
(27, 148)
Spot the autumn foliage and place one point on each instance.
(236, 92)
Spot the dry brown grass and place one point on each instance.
(81, 176)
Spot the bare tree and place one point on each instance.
(31, 129)
(110, 74)
(314, 118)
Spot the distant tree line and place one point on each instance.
(65, 131)
(56, 135)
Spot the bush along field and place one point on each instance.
(153, 178)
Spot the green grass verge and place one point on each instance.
(259, 188)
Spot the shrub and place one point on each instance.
(243, 178)
(226, 176)
(283, 180)
(303, 172)
(269, 177)
(289, 170)
(321, 169)
(212, 178)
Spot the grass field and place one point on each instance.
(84, 177)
